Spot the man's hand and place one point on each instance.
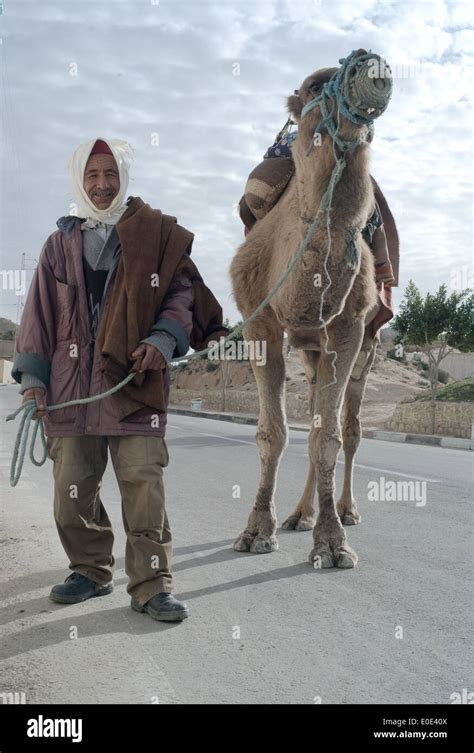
(38, 394)
(148, 357)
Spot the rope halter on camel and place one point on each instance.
(362, 88)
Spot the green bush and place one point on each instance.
(392, 353)
(456, 392)
(443, 376)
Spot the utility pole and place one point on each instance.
(21, 302)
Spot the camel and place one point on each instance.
(337, 350)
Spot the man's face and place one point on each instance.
(101, 180)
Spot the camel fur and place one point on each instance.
(350, 304)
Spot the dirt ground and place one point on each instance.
(390, 382)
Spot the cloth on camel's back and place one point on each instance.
(267, 183)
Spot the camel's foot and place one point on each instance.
(257, 543)
(243, 542)
(342, 556)
(348, 513)
(299, 522)
(263, 544)
(331, 548)
(351, 518)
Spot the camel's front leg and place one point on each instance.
(330, 541)
(272, 438)
(351, 431)
(302, 518)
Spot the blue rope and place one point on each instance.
(29, 407)
(333, 90)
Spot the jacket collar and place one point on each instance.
(67, 223)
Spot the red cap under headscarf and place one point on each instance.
(100, 147)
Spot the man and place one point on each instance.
(114, 291)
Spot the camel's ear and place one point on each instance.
(295, 106)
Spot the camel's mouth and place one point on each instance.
(365, 85)
(362, 87)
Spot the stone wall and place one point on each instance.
(239, 401)
(6, 371)
(452, 419)
(7, 349)
(458, 365)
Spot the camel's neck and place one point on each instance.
(352, 197)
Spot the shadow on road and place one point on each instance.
(117, 620)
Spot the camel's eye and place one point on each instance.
(315, 87)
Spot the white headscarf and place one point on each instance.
(122, 152)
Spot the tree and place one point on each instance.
(8, 334)
(236, 336)
(224, 364)
(436, 325)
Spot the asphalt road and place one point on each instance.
(263, 628)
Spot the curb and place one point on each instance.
(433, 440)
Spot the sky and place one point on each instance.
(199, 90)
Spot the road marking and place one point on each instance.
(218, 436)
(297, 454)
(396, 473)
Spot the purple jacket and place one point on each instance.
(56, 324)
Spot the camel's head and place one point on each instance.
(311, 87)
(354, 94)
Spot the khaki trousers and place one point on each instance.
(82, 521)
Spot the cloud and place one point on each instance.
(169, 69)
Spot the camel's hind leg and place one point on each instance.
(302, 518)
(272, 435)
(351, 432)
(330, 541)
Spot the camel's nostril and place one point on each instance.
(367, 87)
